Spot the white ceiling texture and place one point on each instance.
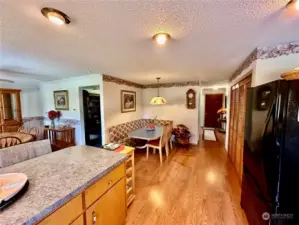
(210, 38)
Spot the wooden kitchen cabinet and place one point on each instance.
(110, 209)
(102, 203)
(79, 221)
(66, 214)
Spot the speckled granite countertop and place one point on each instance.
(54, 179)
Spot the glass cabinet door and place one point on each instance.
(10, 106)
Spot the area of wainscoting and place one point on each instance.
(41, 121)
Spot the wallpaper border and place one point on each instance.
(116, 80)
(268, 52)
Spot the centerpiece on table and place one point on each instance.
(52, 115)
(151, 125)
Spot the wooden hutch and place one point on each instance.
(10, 110)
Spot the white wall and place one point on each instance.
(112, 105)
(31, 103)
(268, 70)
(175, 109)
(72, 85)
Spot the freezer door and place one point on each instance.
(289, 180)
(260, 162)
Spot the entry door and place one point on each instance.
(214, 102)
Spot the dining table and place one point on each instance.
(146, 134)
(24, 137)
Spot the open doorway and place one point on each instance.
(91, 102)
(213, 113)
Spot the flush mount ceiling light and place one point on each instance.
(158, 100)
(294, 3)
(55, 16)
(161, 38)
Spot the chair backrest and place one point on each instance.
(9, 141)
(23, 152)
(34, 131)
(22, 129)
(165, 135)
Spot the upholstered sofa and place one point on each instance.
(119, 133)
(19, 153)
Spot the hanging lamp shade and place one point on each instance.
(158, 100)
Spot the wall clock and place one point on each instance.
(191, 99)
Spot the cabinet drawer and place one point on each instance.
(104, 184)
(66, 214)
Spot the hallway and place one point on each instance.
(195, 186)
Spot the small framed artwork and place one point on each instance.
(61, 100)
(128, 101)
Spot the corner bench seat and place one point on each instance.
(119, 133)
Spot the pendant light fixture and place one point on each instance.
(158, 100)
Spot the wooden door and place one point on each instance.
(237, 124)
(214, 102)
(101, 212)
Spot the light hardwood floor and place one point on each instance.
(196, 186)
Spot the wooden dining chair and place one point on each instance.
(22, 129)
(35, 132)
(9, 141)
(160, 143)
(170, 134)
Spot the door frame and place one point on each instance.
(204, 118)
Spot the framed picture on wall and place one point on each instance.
(128, 101)
(61, 100)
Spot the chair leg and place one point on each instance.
(167, 149)
(171, 146)
(154, 151)
(160, 154)
(147, 150)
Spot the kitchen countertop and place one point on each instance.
(56, 178)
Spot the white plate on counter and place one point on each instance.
(11, 184)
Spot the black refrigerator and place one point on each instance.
(270, 185)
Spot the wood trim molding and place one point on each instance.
(268, 52)
(116, 80)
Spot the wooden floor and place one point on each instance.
(196, 186)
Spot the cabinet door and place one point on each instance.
(110, 208)
(79, 221)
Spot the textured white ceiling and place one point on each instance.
(210, 37)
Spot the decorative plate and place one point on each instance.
(11, 184)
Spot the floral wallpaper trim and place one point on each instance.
(108, 78)
(116, 80)
(268, 52)
(247, 62)
(179, 84)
